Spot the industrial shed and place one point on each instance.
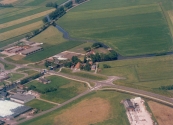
(31, 50)
(21, 98)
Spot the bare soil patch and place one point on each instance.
(7, 1)
(84, 113)
(162, 113)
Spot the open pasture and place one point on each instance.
(98, 108)
(49, 36)
(131, 28)
(7, 1)
(144, 73)
(66, 89)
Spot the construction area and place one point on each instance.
(136, 112)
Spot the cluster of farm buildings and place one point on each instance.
(25, 48)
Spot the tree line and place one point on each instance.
(28, 79)
(169, 87)
(6, 5)
(46, 90)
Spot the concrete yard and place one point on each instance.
(139, 115)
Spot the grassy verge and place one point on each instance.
(40, 105)
(84, 74)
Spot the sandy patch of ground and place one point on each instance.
(85, 113)
(162, 113)
(7, 1)
(17, 57)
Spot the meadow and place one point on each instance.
(66, 89)
(40, 105)
(129, 27)
(143, 73)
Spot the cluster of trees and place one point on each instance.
(79, 1)
(6, 5)
(46, 90)
(104, 57)
(169, 87)
(86, 67)
(68, 5)
(57, 13)
(28, 79)
(51, 4)
(94, 46)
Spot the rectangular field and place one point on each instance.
(145, 73)
(66, 89)
(131, 28)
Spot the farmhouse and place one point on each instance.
(77, 66)
(31, 50)
(21, 98)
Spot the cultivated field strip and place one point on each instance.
(22, 15)
(15, 22)
(7, 10)
(19, 11)
(19, 31)
(20, 25)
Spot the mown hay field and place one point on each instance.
(129, 27)
(101, 107)
(144, 73)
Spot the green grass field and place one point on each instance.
(50, 36)
(129, 27)
(40, 105)
(117, 114)
(66, 89)
(15, 76)
(145, 73)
